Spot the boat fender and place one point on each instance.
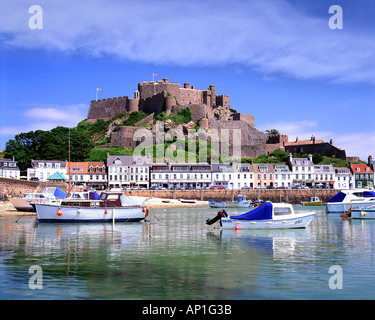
(146, 213)
(106, 211)
(237, 227)
(59, 212)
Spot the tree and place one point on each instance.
(272, 131)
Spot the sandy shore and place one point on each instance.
(6, 208)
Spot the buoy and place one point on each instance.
(106, 211)
(144, 209)
(237, 228)
(59, 212)
(146, 213)
(344, 215)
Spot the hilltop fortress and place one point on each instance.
(209, 111)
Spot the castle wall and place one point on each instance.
(124, 137)
(244, 117)
(223, 100)
(107, 108)
(148, 89)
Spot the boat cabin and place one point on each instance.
(275, 211)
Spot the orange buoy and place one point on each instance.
(106, 211)
(344, 215)
(146, 213)
(144, 209)
(59, 212)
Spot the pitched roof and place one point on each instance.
(57, 176)
(303, 142)
(362, 168)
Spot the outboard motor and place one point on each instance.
(220, 214)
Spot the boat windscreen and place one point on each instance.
(126, 201)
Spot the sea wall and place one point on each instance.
(293, 196)
(17, 187)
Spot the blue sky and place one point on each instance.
(277, 59)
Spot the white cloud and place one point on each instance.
(47, 117)
(271, 36)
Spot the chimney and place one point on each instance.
(331, 141)
(313, 139)
(310, 155)
(370, 163)
(297, 139)
(187, 85)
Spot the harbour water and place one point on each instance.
(177, 256)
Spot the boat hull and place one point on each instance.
(318, 203)
(48, 213)
(241, 204)
(363, 214)
(300, 221)
(344, 207)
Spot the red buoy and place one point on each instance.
(59, 212)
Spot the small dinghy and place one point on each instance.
(267, 216)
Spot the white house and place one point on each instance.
(283, 177)
(343, 178)
(128, 171)
(223, 175)
(42, 169)
(9, 169)
(324, 176)
(243, 176)
(181, 175)
(302, 171)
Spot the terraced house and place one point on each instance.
(363, 175)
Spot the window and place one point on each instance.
(281, 211)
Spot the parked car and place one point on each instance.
(217, 187)
(246, 188)
(154, 188)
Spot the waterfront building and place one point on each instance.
(243, 176)
(223, 175)
(324, 176)
(181, 175)
(302, 171)
(343, 178)
(41, 170)
(88, 174)
(263, 175)
(363, 175)
(128, 171)
(283, 177)
(9, 169)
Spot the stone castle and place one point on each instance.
(209, 110)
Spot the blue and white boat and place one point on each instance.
(267, 216)
(363, 213)
(49, 194)
(240, 202)
(346, 199)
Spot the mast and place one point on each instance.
(69, 166)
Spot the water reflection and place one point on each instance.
(177, 256)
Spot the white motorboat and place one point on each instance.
(240, 202)
(267, 216)
(346, 199)
(49, 194)
(362, 213)
(110, 207)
